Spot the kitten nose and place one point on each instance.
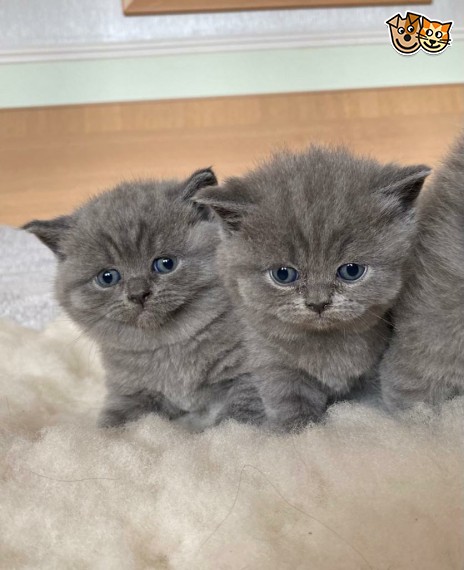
(432, 41)
(407, 38)
(139, 297)
(318, 307)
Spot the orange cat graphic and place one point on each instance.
(404, 32)
(434, 37)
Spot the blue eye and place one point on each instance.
(351, 271)
(284, 275)
(164, 264)
(108, 277)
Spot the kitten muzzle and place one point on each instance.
(139, 298)
(318, 308)
(138, 291)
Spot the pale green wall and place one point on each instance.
(226, 73)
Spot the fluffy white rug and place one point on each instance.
(362, 491)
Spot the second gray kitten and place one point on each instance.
(425, 362)
(314, 248)
(137, 272)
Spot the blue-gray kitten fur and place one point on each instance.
(425, 362)
(170, 342)
(318, 337)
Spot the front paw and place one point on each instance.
(111, 419)
(289, 425)
(192, 422)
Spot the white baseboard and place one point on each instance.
(198, 46)
(136, 74)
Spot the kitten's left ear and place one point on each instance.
(447, 26)
(50, 232)
(199, 179)
(407, 184)
(231, 202)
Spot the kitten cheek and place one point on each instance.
(250, 291)
(88, 298)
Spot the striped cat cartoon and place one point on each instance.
(434, 36)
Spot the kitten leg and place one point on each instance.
(244, 404)
(122, 408)
(291, 399)
(231, 400)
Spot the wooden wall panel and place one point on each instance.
(51, 159)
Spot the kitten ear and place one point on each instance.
(447, 26)
(50, 232)
(230, 203)
(407, 184)
(199, 179)
(425, 21)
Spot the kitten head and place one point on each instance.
(134, 259)
(434, 37)
(403, 32)
(316, 240)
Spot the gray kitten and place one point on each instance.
(425, 362)
(313, 251)
(137, 271)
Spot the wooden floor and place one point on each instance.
(51, 159)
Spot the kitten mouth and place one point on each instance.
(141, 320)
(432, 46)
(144, 321)
(322, 322)
(147, 320)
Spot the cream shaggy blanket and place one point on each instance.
(360, 491)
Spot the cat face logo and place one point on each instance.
(434, 36)
(404, 32)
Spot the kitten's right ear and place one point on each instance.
(407, 183)
(50, 232)
(230, 202)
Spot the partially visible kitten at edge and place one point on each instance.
(137, 272)
(425, 362)
(314, 248)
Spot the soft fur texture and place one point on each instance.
(426, 359)
(315, 213)
(170, 340)
(359, 491)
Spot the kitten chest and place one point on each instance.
(171, 370)
(338, 361)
